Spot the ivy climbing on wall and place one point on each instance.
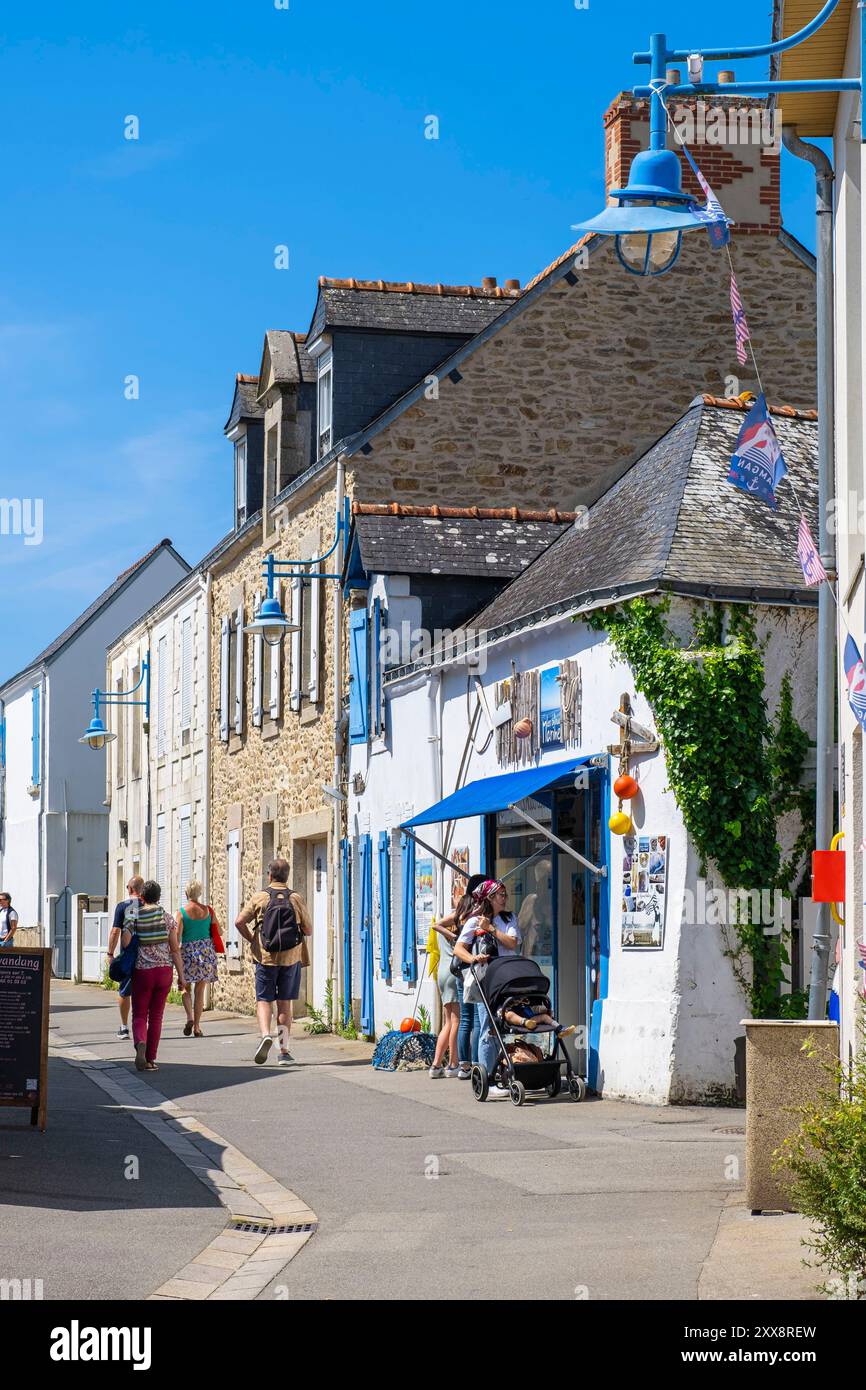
(733, 769)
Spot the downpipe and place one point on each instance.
(825, 730)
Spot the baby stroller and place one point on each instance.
(506, 979)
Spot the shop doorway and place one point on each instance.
(559, 903)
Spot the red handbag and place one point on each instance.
(216, 934)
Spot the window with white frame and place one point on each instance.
(185, 849)
(232, 674)
(186, 672)
(241, 480)
(160, 850)
(120, 730)
(162, 678)
(233, 895)
(137, 721)
(325, 401)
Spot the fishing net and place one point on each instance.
(404, 1051)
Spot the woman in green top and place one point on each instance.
(194, 924)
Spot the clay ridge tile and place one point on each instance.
(413, 287)
(471, 513)
(790, 412)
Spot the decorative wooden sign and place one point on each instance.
(646, 741)
(25, 982)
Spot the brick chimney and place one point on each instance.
(735, 143)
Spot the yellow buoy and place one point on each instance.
(620, 823)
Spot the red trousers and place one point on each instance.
(149, 992)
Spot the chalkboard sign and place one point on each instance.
(25, 978)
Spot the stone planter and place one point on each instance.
(779, 1079)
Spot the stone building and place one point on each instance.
(464, 396)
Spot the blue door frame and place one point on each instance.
(365, 863)
(346, 870)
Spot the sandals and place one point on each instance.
(198, 1033)
(187, 1028)
(151, 1066)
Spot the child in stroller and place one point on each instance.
(529, 1014)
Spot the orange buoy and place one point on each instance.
(625, 787)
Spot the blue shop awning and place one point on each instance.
(490, 794)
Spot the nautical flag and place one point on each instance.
(757, 464)
(741, 328)
(856, 677)
(713, 214)
(810, 561)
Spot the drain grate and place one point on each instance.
(729, 1129)
(261, 1228)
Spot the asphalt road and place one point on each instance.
(420, 1191)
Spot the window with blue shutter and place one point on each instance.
(345, 868)
(385, 902)
(359, 676)
(482, 849)
(377, 710)
(408, 965)
(365, 858)
(36, 768)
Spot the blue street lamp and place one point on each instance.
(96, 735)
(271, 622)
(652, 210)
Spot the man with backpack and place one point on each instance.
(280, 926)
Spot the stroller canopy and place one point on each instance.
(508, 977)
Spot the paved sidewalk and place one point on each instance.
(414, 1183)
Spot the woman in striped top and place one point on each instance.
(152, 976)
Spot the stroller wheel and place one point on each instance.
(577, 1087)
(480, 1082)
(517, 1091)
(554, 1088)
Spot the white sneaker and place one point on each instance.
(464, 1073)
(452, 1072)
(436, 1072)
(263, 1050)
(123, 1032)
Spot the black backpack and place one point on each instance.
(280, 930)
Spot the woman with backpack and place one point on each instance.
(196, 925)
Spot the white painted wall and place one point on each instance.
(177, 779)
(670, 1016)
(70, 819)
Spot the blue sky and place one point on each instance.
(260, 126)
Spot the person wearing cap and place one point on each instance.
(489, 931)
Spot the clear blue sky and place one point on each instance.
(260, 126)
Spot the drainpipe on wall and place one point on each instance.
(825, 734)
(336, 834)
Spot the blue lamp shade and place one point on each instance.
(271, 622)
(96, 735)
(651, 215)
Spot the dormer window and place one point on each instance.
(325, 401)
(241, 481)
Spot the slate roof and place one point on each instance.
(54, 648)
(245, 404)
(408, 307)
(673, 522)
(453, 540)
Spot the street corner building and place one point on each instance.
(496, 751)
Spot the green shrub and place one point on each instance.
(107, 982)
(823, 1169)
(425, 1020)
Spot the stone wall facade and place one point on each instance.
(266, 783)
(551, 409)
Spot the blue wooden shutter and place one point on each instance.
(346, 860)
(385, 902)
(37, 731)
(377, 721)
(482, 849)
(408, 964)
(359, 686)
(366, 866)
